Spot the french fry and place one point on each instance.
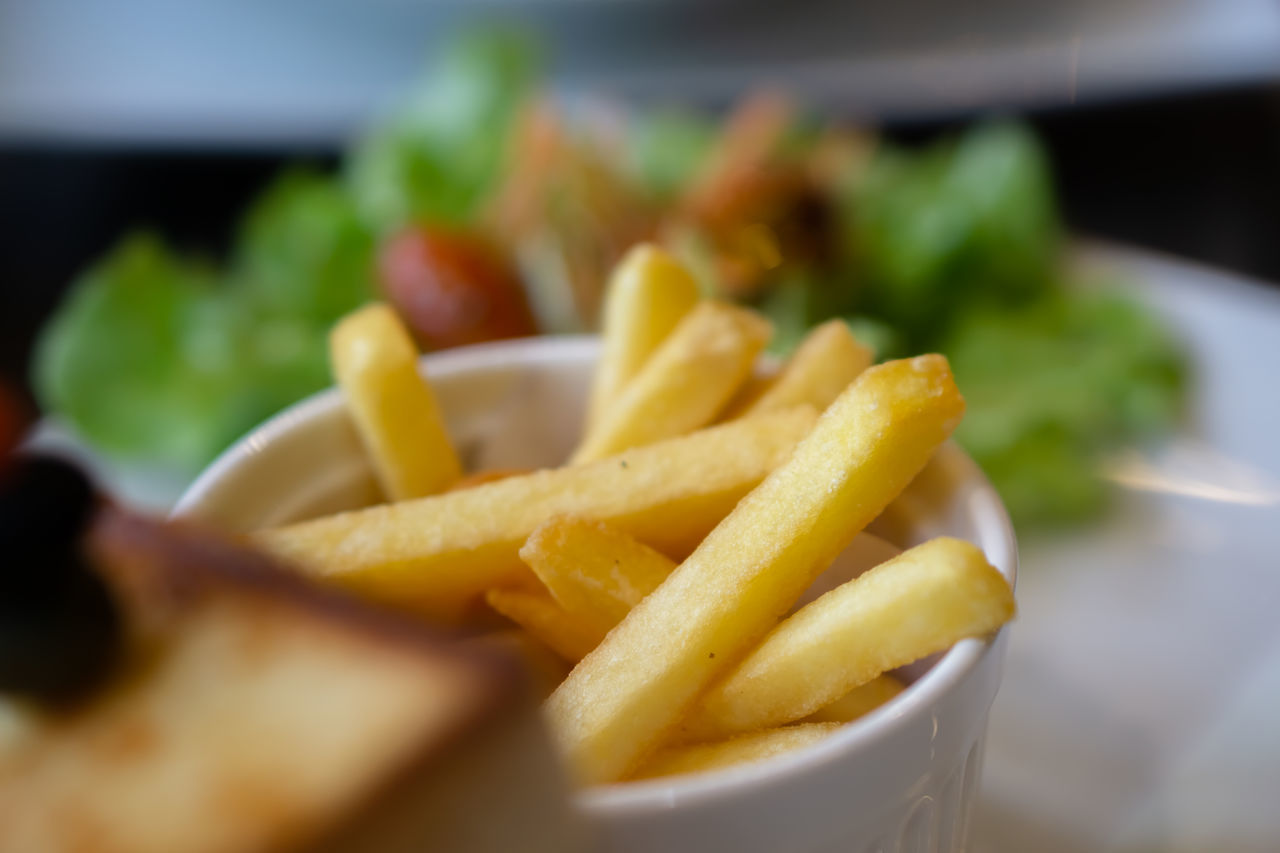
(743, 749)
(858, 701)
(923, 601)
(376, 364)
(684, 384)
(438, 555)
(647, 295)
(546, 621)
(622, 698)
(594, 571)
(824, 364)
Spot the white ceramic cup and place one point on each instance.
(902, 778)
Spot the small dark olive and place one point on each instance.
(62, 644)
(44, 502)
(60, 628)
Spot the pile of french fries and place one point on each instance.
(662, 561)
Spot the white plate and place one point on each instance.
(1140, 710)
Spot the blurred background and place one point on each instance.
(1130, 428)
(1161, 117)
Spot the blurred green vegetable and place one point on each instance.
(954, 247)
(965, 221)
(438, 156)
(159, 357)
(302, 251)
(142, 355)
(794, 306)
(1053, 386)
(302, 259)
(668, 147)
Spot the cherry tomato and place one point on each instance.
(453, 288)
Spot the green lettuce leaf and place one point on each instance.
(961, 222)
(303, 251)
(668, 147)
(1053, 386)
(441, 153)
(303, 259)
(142, 355)
(155, 356)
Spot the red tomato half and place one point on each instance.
(453, 288)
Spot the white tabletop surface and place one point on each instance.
(1141, 704)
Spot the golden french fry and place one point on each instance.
(438, 555)
(546, 621)
(684, 384)
(743, 749)
(593, 570)
(647, 295)
(858, 701)
(922, 601)
(824, 364)
(622, 698)
(376, 364)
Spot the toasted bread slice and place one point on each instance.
(258, 713)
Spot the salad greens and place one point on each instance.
(440, 156)
(302, 253)
(667, 147)
(162, 357)
(159, 357)
(962, 245)
(1056, 384)
(955, 247)
(142, 356)
(963, 222)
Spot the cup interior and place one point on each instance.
(519, 404)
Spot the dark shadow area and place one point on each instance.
(65, 206)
